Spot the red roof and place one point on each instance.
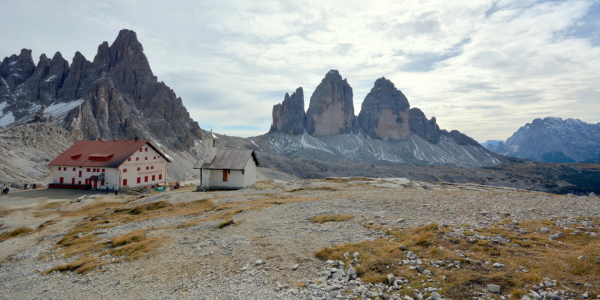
(109, 154)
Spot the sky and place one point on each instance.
(483, 67)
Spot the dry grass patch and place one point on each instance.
(230, 209)
(21, 231)
(226, 223)
(4, 211)
(81, 265)
(51, 205)
(574, 258)
(82, 240)
(132, 245)
(264, 184)
(317, 188)
(330, 218)
(348, 179)
(46, 224)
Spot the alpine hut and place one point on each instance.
(111, 165)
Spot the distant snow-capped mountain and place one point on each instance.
(553, 140)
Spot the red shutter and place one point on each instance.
(153, 177)
(145, 178)
(61, 180)
(139, 179)
(124, 181)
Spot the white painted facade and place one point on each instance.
(145, 167)
(234, 179)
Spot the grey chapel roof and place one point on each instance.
(228, 159)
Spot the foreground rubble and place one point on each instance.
(268, 249)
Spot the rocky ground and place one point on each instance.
(269, 250)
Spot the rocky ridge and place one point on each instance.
(26, 150)
(114, 97)
(386, 130)
(553, 140)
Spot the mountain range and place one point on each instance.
(44, 107)
(115, 96)
(552, 140)
(387, 129)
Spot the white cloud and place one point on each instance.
(483, 67)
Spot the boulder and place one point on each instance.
(494, 288)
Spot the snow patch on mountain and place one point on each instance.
(60, 110)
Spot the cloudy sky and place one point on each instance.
(482, 67)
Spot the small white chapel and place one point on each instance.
(226, 168)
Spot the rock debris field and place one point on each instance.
(246, 247)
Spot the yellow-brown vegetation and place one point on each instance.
(21, 231)
(330, 218)
(226, 223)
(574, 258)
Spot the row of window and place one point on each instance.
(75, 169)
(139, 180)
(139, 168)
(145, 158)
(87, 181)
(146, 178)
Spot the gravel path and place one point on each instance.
(256, 258)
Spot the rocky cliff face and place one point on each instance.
(426, 129)
(114, 97)
(553, 140)
(331, 110)
(387, 130)
(288, 117)
(385, 112)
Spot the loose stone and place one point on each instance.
(494, 288)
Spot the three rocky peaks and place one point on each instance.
(385, 113)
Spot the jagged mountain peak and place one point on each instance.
(289, 116)
(331, 110)
(386, 129)
(385, 112)
(114, 97)
(57, 55)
